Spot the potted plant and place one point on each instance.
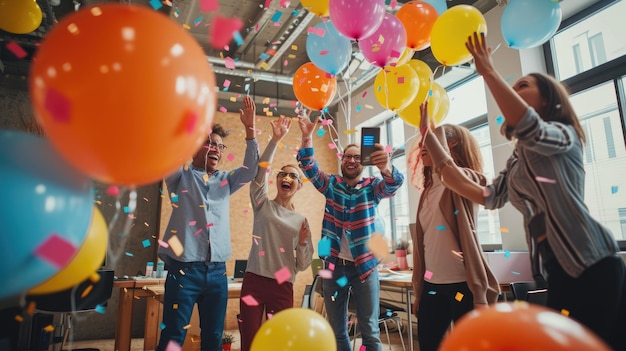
(227, 341)
(401, 251)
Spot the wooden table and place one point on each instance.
(152, 290)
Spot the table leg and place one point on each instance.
(409, 318)
(124, 320)
(151, 329)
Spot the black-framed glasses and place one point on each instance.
(356, 158)
(291, 175)
(213, 144)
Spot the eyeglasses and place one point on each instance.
(213, 144)
(291, 175)
(356, 158)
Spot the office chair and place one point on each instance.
(86, 296)
(313, 296)
(388, 313)
(529, 291)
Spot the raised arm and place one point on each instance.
(280, 128)
(512, 106)
(248, 117)
(307, 127)
(451, 175)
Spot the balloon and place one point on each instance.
(313, 87)
(438, 103)
(450, 33)
(45, 211)
(357, 19)
(86, 261)
(407, 55)
(395, 87)
(134, 103)
(19, 16)
(297, 329)
(439, 5)
(386, 44)
(418, 19)
(317, 7)
(331, 51)
(519, 326)
(411, 113)
(529, 23)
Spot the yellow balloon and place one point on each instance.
(395, 87)
(407, 54)
(296, 329)
(450, 32)
(438, 103)
(411, 113)
(19, 16)
(87, 260)
(317, 7)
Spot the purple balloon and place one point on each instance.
(356, 19)
(386, 44)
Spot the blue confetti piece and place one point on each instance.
(276, 17)
(225, 89)
(358, 108)
(389, 313)
(247, 88)
(129, 254)
(146, 243)
(380, 88)
(432, 292)
(499, 120)
(614, 189)
(174, 198)
(238, 38)
(295, 12)
(264, 56)
(516, 273)
(101, 309)
(507, 254)
(162, 326)
(197, 21)
(456, 212)
(325, 109)
(430, 92)
(126, 209)
(343, 281)
(156, 4)
(321, 132)
(441, 227)
(323, 247)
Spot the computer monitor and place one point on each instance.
(240, 269)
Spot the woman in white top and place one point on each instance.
(281, 243)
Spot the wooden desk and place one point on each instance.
(152, 290)
(400, 282)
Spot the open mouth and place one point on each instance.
(213, 157)
(286, 185)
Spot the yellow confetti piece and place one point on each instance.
(504, 230)
(269, 114)
(291, 56)
(369, 107)
(99, 202)
(31, 308)
(294, 47)
(324, 88)
(175, 306)
(350, 131)
(175, 205)
(176, 245)
(233, 99)
(264, 66)
(95, 277)
(458, 296)
(87, 291)
(266, 101)
(565, 312)
(19, 318)
(205, 178)
(186, 26)
(49, 328)
(187, 326)
(146, 224)
(264, 164)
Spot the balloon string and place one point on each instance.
(114, 253)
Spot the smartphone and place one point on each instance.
(370, 136)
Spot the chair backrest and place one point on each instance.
(72, 299)
(316, 265)
(528, 291)
(316, 295)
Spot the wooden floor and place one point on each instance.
(137, 344)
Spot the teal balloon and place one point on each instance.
(439, 5)
(328, 49)
(43, 197)
(530, 23)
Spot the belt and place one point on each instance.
(344, 262)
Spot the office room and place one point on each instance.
(125, 208)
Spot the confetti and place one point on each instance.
(56, 250)
(343, 281)
(504, 230)
(175, 245)
(249, 300)
(282, 275)
(428, 274)
(325, 273)
(458, 296)
(58, 105)
(16, 49)
(614, 189)
(173, 346)
(323, 247)
(545, 180)
(441, 227)
(222, 30)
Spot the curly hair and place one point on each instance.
(219, 130)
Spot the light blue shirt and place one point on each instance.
(201, 215)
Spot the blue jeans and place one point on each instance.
(203, 283)
(367, 297)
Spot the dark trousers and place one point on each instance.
(271, 297)
(440, 305)
(597, 298)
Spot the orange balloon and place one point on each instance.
(520, 326)
(123, 93)
(313, 87)
(418, 18)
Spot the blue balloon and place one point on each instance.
(439, 5)
(529, 23)
(42, 197)
(328, 49)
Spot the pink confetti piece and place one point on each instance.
(192, 223)
(324, 52)
(198, 232)
(364, 93)
(331, 266)
(545, 180)
(230, 157)
(190, 121)
(282, 275)
(209, 225)
(325, 273)
(400, 80)
(282, 250)
(173, 346)
(113, 190)
(388, 149)
(209, 5)
(223, 109)
(229, 63)
(226, 83)
(56, 250)
(332, 146)
(327, 122)
(284, 3)
(16, 49)
(267, 3)
(222, 30)
(249, 300)
(163, 243)
(58, 105)
(428, 274)
(224, 182)
(285, 63)
(256, 242)
(362, 348)
(245, 211)
(261, 253)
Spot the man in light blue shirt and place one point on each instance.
(198, 237)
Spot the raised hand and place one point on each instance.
(477, 46)
(248, 114)
(305, 233)
(280, 128)
(306, 126)
(425, 122)
(380, 159)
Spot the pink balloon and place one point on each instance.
(356, 19)
(385, 46)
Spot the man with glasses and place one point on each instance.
(198, 236)
(348, 224)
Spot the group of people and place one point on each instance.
(571, 252)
